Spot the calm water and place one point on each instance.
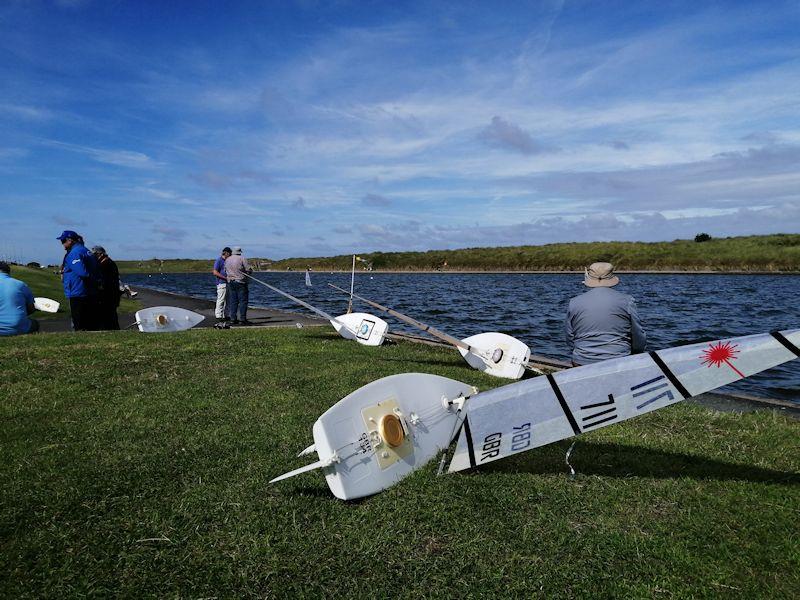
(675, 309)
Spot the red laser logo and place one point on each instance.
(721, 352)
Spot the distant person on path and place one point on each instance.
(80, 275)
(16, 303)
(110, 294)
(602, 323)
(221, 276)
(237, 270)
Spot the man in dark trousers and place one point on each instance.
(109, 293)
(237, 270)
(80, 275)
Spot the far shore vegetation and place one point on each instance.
(137, 466)
(759, 253)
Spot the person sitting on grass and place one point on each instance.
(603, 323)
(16, 303)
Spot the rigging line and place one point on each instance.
(314, 309)
(532, 368)
(352, 285)
(453, 433)
(413, 322)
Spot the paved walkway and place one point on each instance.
(259, 317)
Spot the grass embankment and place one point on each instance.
(171, 265)
(43, 282)
(137, 465)
(771, 253)
(753, 253)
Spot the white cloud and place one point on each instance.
(120, 158)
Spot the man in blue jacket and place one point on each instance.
(80, 275)
(16, 303)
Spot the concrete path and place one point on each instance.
(258, 317)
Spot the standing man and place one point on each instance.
(221, 276)
(109, 295)
(238, 291)
(16, 303)
(602, 323)
(80, 275)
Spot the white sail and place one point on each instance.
(536, 412)
(308, 279)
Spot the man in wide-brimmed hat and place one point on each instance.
(602, 322)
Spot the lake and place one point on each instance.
(674, 309)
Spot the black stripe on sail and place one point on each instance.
(786, 343)
(563, 404)
(600, 422)
(470, 449)
(600, 414)
(670, 375)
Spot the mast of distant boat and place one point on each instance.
(352, 285)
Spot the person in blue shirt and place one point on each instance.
(602, 323)
(221, 277)
(16, 303)
(80, 274)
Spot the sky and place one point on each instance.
(310, 128)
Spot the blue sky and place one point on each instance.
(313, 128)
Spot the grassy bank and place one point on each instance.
(43, 282)
(137, 465)
(772, 253)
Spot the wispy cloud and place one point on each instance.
(680, 119)
(34, 113)
(120, 158)
(376, 200)
(505, 135)
(170, 234)
(67, 222)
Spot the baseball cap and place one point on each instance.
(68, 234)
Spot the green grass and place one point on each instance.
(771, 253)
(43, 282)
(137, 465)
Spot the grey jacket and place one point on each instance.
(601, 324)
(236, 266)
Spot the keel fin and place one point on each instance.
(309, 450)
(316, 465)
(320, 464)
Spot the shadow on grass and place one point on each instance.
(616, 460)
(411, 361)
